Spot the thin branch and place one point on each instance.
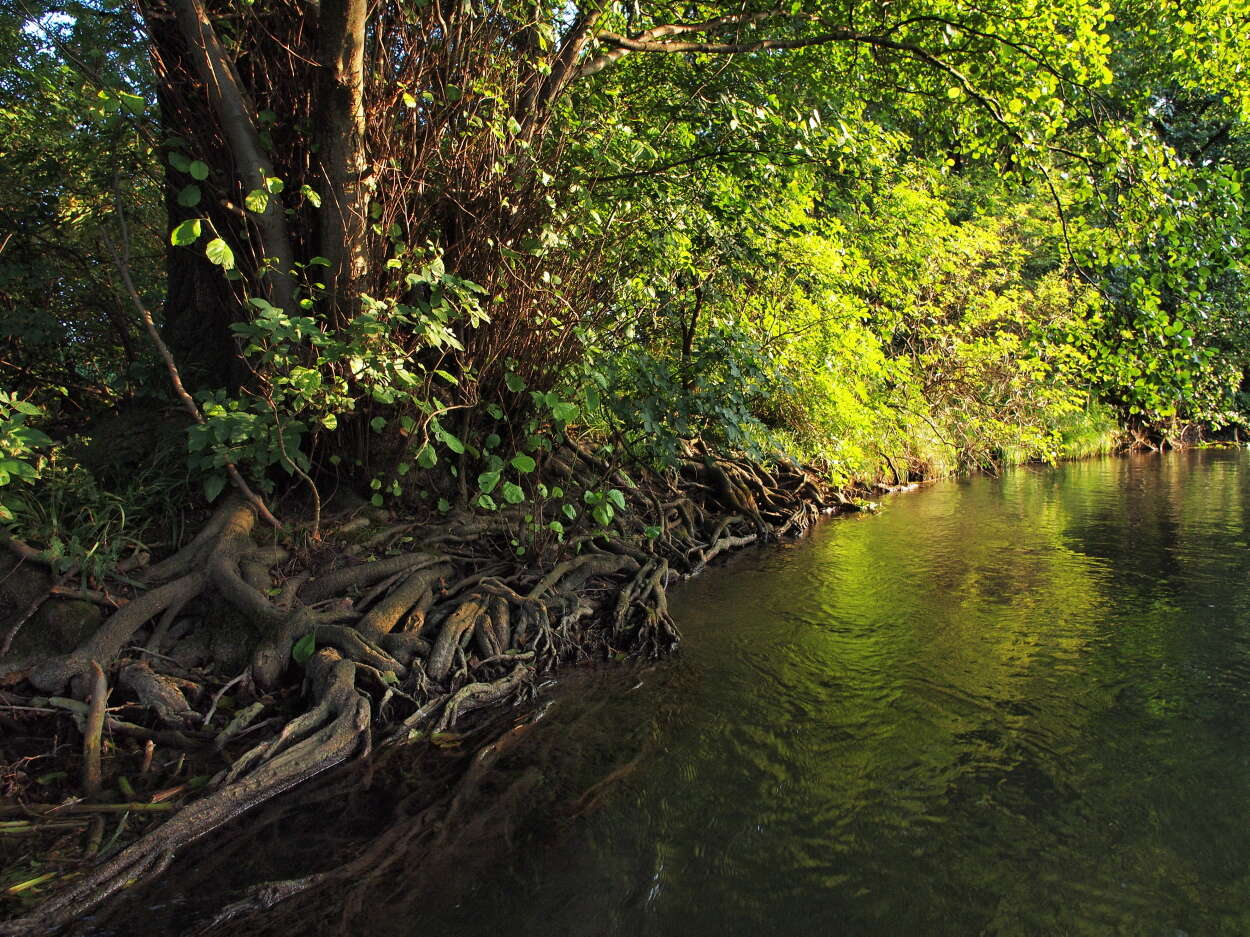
(652, 40)
(621, 44)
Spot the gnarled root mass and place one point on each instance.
(397, 646)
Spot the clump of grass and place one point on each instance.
(77, 522)
(1089, 432)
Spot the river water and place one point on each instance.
(1014, 706)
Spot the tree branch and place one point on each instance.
(227, 100)
(648, 42)
(623, 45)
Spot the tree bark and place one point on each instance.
(341, 139)
(235, 114)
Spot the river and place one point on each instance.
(1001, 706)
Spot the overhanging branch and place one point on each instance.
(654, 40)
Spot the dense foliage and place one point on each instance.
(405, 247)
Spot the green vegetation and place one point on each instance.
(926, 242)
(539, 294)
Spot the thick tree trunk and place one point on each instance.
(235, 114)
(200, 304)
(341, 139)
(199, 309)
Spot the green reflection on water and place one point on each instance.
(1003, 707)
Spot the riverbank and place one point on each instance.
(391, 630)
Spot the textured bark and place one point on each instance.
(230, 106)
(341, 147)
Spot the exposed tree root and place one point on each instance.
(331, 732)
(477, 695)
(435, 635)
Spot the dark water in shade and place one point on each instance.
(1007, 707)
(1001, 707)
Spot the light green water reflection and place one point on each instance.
(1003, 707)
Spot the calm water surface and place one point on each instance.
(1015, 706)
(1001, 707)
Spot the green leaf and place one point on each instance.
(219, 252)
(213, 486)
(377, 424)
(564, 411)
(570, 512)
(451, 442)
(274, 185)
(426, 457)
(487, 481)
(179, 161)
(198, 170)
(513, 494)
(443, 506)
(617, 498)
(514, 382)
(523, 463)
(487, 502)
(315, 201)
(330, 421)
(189, 196)
(376, 501)
(304, 648)
(256, 201)
(186, 233)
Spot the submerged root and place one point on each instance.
(477, 695)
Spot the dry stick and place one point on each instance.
(95, 836)
(94, 728)
(57, 810)
(208, 716)
(122, 260)
(96, 596)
